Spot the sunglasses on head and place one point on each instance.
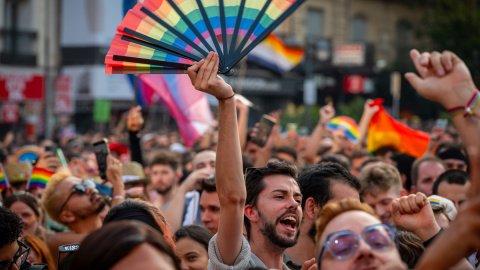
(343, 244)
(79, 189)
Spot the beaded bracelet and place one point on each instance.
(468, 109)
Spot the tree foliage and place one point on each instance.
(455, 25)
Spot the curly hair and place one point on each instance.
(11, 227)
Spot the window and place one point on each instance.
(314, 24)
(404, 42)
(17, 35)
(358, 29)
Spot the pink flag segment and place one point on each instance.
(186, 105)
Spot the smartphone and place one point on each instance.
(101, 151)
(266, 124)
(50, 148)
(439, 128)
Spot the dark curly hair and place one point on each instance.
(11, 227)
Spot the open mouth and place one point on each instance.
(290, 222)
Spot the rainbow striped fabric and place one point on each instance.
(347, 124)
(166, 36)
(272, 54)
(383, 130)
(39, 178)
(434, 201)
(4, 184)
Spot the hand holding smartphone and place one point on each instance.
(101, 152)
(439, 129)
(266, 125)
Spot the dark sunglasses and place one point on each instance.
(20, 257)
(343, 244)
(79, 189)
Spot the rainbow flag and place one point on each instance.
(434, 201)
(186, 105)
(383, 130)
(39, 178)
(347, 124)
(272, 54)
(4, 184)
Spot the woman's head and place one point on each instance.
(125, 245)
(192, 247)
(39, 252)
(350, 236)
(27, 208)
(143, 211)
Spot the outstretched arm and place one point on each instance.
(229, 175)
(445, 78)
(327, 112)
(369, 109)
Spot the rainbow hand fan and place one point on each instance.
(167, 36)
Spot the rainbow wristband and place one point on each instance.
(468, 109)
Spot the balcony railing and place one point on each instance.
(18, 47)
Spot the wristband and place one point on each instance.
(225, 98)
(119, 197)
(468, 109)
(429, 241)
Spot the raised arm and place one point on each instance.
(445, 78)
(327, 112)
(243, 112)
(369, 109)
(134, 124)
(229, 175)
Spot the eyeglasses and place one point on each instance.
(19, 258)
(343, 244)
(79, 189)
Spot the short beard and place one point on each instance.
(269, 231)
(86, 213)
(166, 190)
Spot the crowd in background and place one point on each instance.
(295, 202)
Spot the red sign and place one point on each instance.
(20, 87)
(10, 113)
(63, 100)
(354, 84)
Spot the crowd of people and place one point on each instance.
(316, 202)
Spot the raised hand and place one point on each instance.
(414, 213)
(326, 112)
(369, 109)
(444, 78)
(135, 119)
(49, 161)
(203, 76)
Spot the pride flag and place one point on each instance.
(347, 124)
(383, 130)
(186, 105)
(4, 184)
(272, 54)
(39, 178)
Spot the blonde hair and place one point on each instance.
(52, 197)
(380, 176)
(331, 210)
